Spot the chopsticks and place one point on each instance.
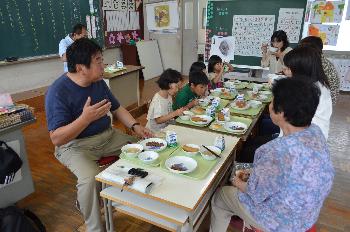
(211, 151)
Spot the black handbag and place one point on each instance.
(10, 163)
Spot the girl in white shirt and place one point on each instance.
(304, 62)
(160, 112)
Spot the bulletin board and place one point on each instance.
(221, 14)
(123, 21)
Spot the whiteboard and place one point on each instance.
(149, 55)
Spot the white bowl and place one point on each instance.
(207, 155)
(126, 149)
(254, 103)
(148, 157)
(203, 102)
(187, 163)
(234, 127)
(185, 117)
(229, 84)
(273, 49)
(187, 112)
(193, 146)
(154, 148)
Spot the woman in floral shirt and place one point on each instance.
(292, 175)
(328, 67)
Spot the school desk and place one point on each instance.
(125, 85)
(179, 203)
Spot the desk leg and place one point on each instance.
(191, 222)
(110, 215)
(105, 209)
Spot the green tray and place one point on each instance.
(163, 155)
(188, 122)
(269, 98)
(231, 97)
(246, 121)
(223, 103)
(204, 167)
(242, 85)
(250, 111)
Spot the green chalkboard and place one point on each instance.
(31, 28)
(220, 19)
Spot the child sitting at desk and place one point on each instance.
(198, 66)
(197, 86)
(216, 70)
(160, 112)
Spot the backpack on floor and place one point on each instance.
(13, 219)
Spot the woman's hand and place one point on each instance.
(240, 184)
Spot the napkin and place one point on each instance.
(117, 174)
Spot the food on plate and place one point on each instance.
(221, 116)
(243, 174)
(241, 104)
(198, 110)
(179, 167)
(189, 149)
(154, 144)
(216, 126)
(132, 150)
(198, 119)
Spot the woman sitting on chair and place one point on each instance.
(292, 174)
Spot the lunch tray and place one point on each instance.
(269, 98)
(246, 121)
(189, 122)
(223, 103)
(204, 167)
(251, 111)
(163, 155)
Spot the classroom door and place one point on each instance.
(189, 34)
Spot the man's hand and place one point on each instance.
(143, 132)
(96, 111)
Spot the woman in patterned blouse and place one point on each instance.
(328, 67)
(292, 175)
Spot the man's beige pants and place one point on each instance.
(224, 205)
(80, 157)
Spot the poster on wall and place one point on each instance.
(290, 21)
(123, 21)
(327, 11)
(347, 16)
(308, 11)
(343, 68)
(328, 33)
(250, 32)
(223, 47)
(162, 16)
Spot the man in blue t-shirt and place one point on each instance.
(76, 105)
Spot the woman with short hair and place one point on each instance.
(291, 176)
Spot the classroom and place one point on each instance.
(174, 115)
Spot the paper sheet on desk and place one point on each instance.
(144, 185)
